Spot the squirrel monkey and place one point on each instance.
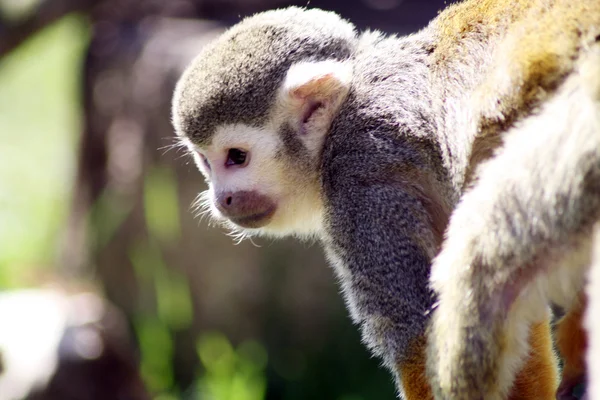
(304, 127)
(521, 236)
(592, 323)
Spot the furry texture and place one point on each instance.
(339, 133)
(367, 142)
(520, 237)
(592, 322)
(539, 375)
(571, 342)
(235, 77)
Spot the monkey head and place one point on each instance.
(254, 109)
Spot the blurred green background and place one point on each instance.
(92, 196)
(40, 118)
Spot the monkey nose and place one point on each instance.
(248, 209)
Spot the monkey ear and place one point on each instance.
(313, 91)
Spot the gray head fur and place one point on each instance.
(260, 49)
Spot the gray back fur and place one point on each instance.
(384, 130)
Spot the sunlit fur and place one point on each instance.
(179, 145)
(296, 195)
(356, 161)
(592, 322)
(421, 113)
(519, 240)
(203, 208)
(294, 188)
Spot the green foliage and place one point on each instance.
(161, 204)
(156, 347)
(39, 123)
(171, 289)
(231, 374)
(105, 217)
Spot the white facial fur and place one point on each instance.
(294, 189)
(299, 208)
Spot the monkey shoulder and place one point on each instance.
(506, 58)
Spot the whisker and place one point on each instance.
(178, 145)
(237, 235)
(252, 241)
(201, 207)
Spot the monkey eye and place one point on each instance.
(236, 157)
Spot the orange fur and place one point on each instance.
(533, 45)
(412, 370)
(571, 340)
(538, 378)
(487, 17)
(539, 41)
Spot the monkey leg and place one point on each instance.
(538, 378)
(571, 341)
(592, 323)
(412, 372)
(488, 353)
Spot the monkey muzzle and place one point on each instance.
(248, 209)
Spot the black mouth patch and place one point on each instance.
(255, 220)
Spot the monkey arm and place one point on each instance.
(381, 241)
